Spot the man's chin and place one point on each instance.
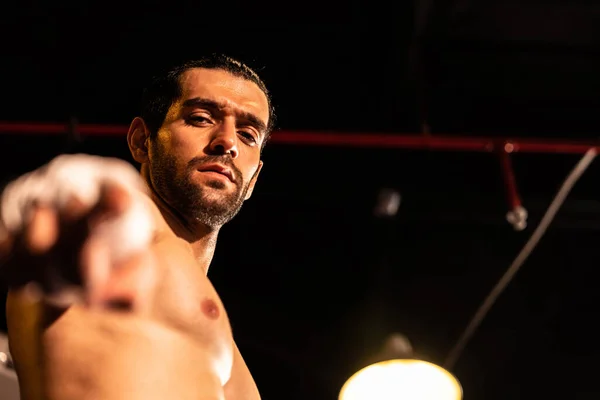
(215, 214)
(218, 202)
(218, 198)
(217, 185)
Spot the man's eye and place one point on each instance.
(199, 119)
(248, 136)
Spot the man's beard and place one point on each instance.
(190, 199)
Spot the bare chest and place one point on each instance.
(185, 304)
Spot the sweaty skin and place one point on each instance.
(182, 346)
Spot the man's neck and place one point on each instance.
(201, 238)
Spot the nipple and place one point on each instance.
(210, 309)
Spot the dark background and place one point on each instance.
(312, 281)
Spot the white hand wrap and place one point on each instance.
(82, 177)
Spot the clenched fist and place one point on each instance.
(73, 228)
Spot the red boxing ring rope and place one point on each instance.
(370, 140)
(516, 216)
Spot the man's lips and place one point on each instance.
(218, 168)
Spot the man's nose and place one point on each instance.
(225, 140)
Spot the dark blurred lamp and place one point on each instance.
(388, 202)
(396, 374)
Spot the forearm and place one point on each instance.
(24, 339)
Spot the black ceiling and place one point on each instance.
(312, 281)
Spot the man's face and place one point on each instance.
(205, 158)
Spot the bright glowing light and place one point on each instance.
(402, 380)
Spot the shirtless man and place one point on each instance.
(109, 296)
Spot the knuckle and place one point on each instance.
(129, 233)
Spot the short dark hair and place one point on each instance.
(165, 88)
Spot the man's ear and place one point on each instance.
(253, 181)
(137, 139)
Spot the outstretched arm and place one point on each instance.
(66, 247)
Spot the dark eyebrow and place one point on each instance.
(215, 105)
